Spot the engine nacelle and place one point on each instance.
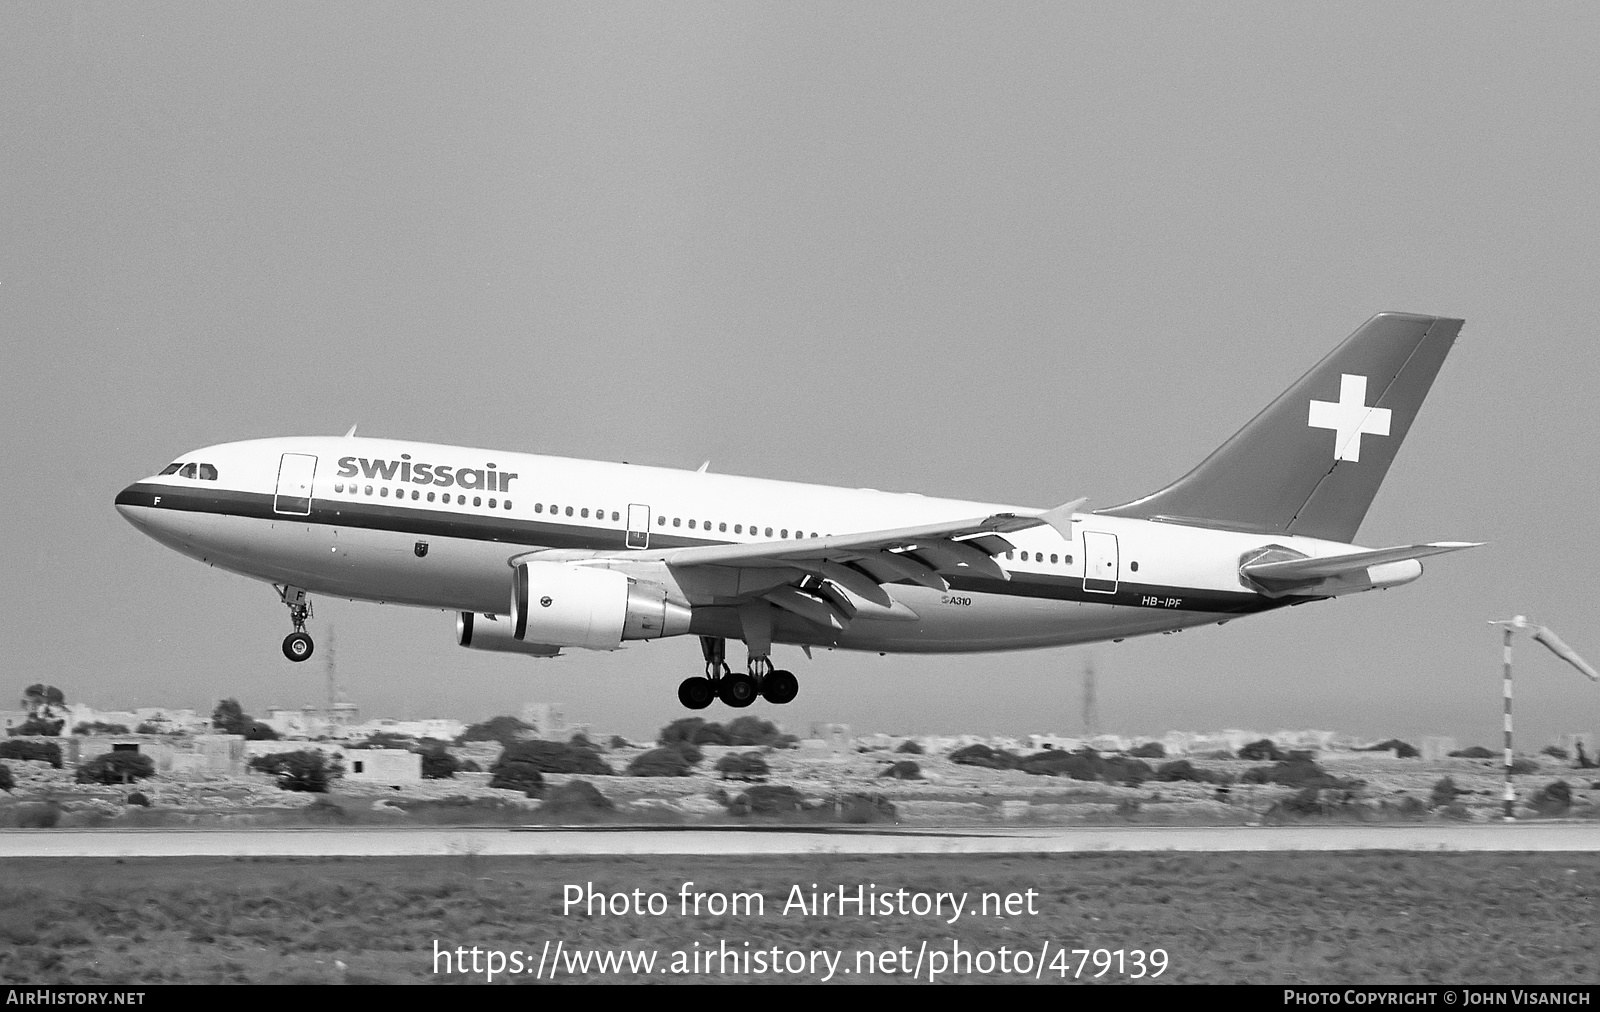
(493, 632)
(581, 606)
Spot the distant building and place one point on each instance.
(388, 767)
(213, 754)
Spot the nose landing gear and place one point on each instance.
(298, 645)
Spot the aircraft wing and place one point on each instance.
(858, 563)
(1339, 565)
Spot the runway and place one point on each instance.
(567, 841)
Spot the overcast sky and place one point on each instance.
(1019, 253)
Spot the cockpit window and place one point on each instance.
(208, 472)
(172, 468)
(187, 472)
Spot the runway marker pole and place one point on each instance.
(1541, 634)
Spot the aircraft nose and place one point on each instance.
(128, 502)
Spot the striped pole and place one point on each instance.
(1508, 795)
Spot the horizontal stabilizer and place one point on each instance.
(1340, 565)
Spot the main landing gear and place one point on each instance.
(298, 645)
(733, 688)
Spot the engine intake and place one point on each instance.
(582, 606)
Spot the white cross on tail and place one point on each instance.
(1350, 417)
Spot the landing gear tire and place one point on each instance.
(696, 693)
(780, 687)
(737, 691)
(297, 646)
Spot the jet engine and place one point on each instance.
(493, 632)
(582, 606)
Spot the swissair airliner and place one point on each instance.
(537, 553)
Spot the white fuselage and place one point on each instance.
(436, 526)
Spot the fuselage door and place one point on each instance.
(638, 526)
(295, 474)
(1099, 562)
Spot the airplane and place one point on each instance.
(536, 554)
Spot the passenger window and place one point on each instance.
(1052, 558)
(691, 524)
(661, 521)
(585, 512)
(784, 533)
(677, 521)
(384, 492)
(430, 497)
(738, 528)
(369, 490)
(569, 511)
(722, 528)
(187, 471)
(538, 507)
(508, 504)
(477, 500)
(491, 504)
(615, 516)
(171, 468)
(339, 487)
(208, 472)
(1067, 559)
(769, 532)
(1008, 555)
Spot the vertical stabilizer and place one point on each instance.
(1311, 463)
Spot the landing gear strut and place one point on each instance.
(298, 645)
(733, 688)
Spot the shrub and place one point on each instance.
(659, 762)
(1149, 750)
(386, 739)
(743, 766)
(438, 763)
(909, 747)
(1087, 764)
(1264, 749)
(1300, 772)
(1522, 764)
(1472, 752)
(6, 783)
(1411, 807)
(748, 730)
(35, 750)
(864, 808)
(577, 798)
(581, 740)
(556, 757)
(1182, 770)
(767, 800)
(1556, 752)
(514, 775)
(618, 741)
(1300, 804)
(1443, 793)
(903, 770)
(682, 729)
(1553, 799)
(983, 755)
(100, 727)
(116, 768)
(138, 799)
(504, 730)
(1128, 808)
(38, 727)
(1401, 750)
(689, 750)
(711, 734)
(307, 770)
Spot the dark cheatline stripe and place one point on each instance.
(522, 532)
